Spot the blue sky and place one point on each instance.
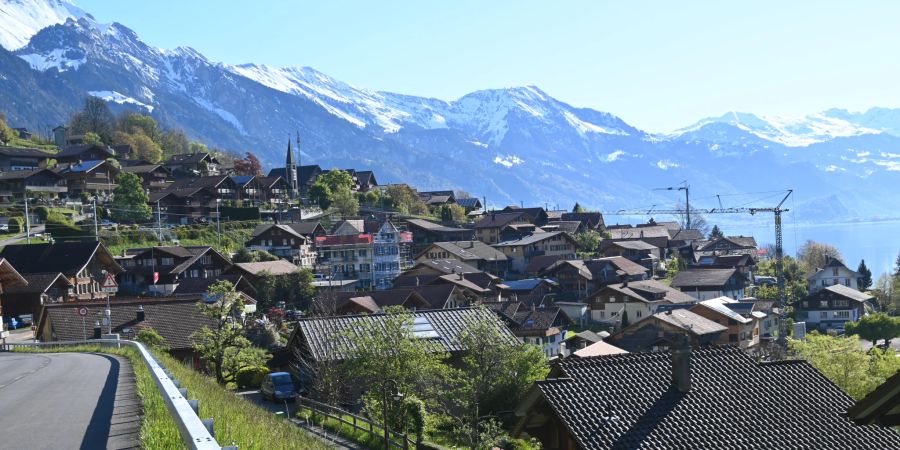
(659, 65)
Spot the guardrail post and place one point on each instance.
(183, 392)
(208, 423)
(195, 405)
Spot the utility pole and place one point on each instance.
(218, 226)
(158, 223)
(27, 221)
(96, 228)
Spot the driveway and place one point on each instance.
(67, 401)
(20, 239)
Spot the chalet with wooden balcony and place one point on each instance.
(90, 152)
(154, 177)
(44, 183)
(86, 265)
(193, 165)
(194, 199)
(96, 177)
(159, 270)
(521, 251)
(14, 159)
(274, 190)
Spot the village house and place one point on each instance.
(391, 254)
(255, 271)
(13, 159)
(579, 278)
(521, 251)
(655, 235)
(42, 289)
(470, 204)
(597, 349)
(582, 339)
(154, 177)
(159, 270)
(831, 307)
(359, 250)
(691, 399)
(43, 183)
(660, 331)
(531, 291)
(742, 322)
(621, 304)
(91, 177)
(744, 263)
(569, 226)
(679, 237)
(273, 190)
(474, 253)
(834, 273)
(9, 279)
(475, 284)
(287, 241)
(439, 296)
(306, 177)
(363, 180)
(488, 229)
(545, 327)
(704, 284)
(437, 198)
(324, 340)
(192, 165)
(88, 266)
(194, 199)
(725, 245)
(640, 252)
(77, 154)
(426, 232)
(346, 257)
(533, 215)
(591, 221)
(176, 319)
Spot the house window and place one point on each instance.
(612, 299)
(732, 338)
(841, 303)
(602, 314)
(847, 282)
(842, 314)
(834, 271)
(823, 315)
(638, 314)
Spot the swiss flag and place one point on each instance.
(155, 277)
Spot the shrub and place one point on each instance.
(250, 377)
(16, 224)
(42, 212)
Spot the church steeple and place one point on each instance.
(290, 171)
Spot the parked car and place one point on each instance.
(278, 386)
(26, 320)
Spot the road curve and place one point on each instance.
(62, 401)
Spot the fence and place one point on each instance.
(197, 433)
(396, 440)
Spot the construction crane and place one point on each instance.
(779, 247)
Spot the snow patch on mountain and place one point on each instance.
(586, 127)
(115, 97)
(508, 160)
(22, 19)
(225, 115)
(61, 59)
(614, 156)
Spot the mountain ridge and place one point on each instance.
(513, 144)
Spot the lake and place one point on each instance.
(876, 242)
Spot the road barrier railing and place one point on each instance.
(196, 432)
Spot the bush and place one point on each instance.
(250, 377)
(42, 212)
(16, 224)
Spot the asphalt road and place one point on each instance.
(57, 401)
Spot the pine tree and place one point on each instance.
(578, 208)
(865, 276)
(716, 232)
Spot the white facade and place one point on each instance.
(700, 294)
(833, 274)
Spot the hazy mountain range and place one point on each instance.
(511, 145)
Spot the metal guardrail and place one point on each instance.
(194, 431)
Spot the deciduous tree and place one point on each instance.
(843, 361)
(815, 254)
(344, 202)
(248, 165)
(875, 327)
(222, 345)
(94, 116)
(129, 202)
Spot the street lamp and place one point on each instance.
(391, 392)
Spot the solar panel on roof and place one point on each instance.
(423, 329)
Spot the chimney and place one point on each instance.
(681, 363)
(97, 330)
(460, 275)
(140, 313)
(562, 350)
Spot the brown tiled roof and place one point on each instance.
(498, 220)
(642, 290)
(638, 232)
(702, 277)
(690, 321)
(175, 319)
(277, 267)
(38, 283)
(469, 250)
(436, 227)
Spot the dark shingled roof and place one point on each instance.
(690, 322)
(175, 319)
(24, 152)
(495, 220)
(77, 150)
(702, 277)
(469, 250)
(327, 336)
(436, 227)
(24, 174)
(65, 257)
(627, 401)
(38, 283)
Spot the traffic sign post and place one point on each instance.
(83, 312)
(109, 284)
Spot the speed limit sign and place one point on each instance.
(82, 311)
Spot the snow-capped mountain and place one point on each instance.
(789, 131)
(22, 19)
(511, 145)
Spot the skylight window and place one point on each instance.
(423, 329)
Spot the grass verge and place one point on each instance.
(374, 441)
(237, 421)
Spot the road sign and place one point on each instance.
(82, 311)
(109, 284)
